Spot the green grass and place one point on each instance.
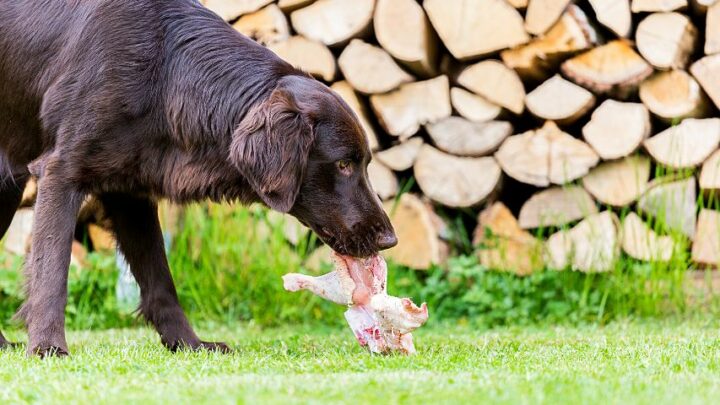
(624, 362)
(228, 262)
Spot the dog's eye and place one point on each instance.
(345, 166)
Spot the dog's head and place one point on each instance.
(303, 151)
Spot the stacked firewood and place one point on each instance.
(593, 123)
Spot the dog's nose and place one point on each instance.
(386, 240)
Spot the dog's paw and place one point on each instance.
(47, 350)
(219, 347)
(9, 345)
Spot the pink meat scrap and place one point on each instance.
(380, 322)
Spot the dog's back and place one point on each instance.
(120, 60)
(43, 42)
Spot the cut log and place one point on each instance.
(617, 129)
(320, 260)
(642, 243)
(403, 29)
(559, 100)
(556, 206)
(673, 95)
(78, 255)
(232, 9)
(402, 156)
(370, 69)
(619, 183)
(540, 58)
(706, 71)
(265, 26)
(461, 137)
(706, 247)
(666, 40)
(292, 229)
(495, 82)
(102, 240)
(454, 181)
(614, 14)
(91, 210)
(672, 203)
(474, 28)
(473, 107)
(333, 22)
(19, 234)
(700, 7)
(403, 111)
(309, 56)
(686, 145)
(171, 216)
(383, 180)
(503, 245)
(544, 156)
(348, 94)
(710, 173)
(614, 68)
(542, 14)
(712, 29)
(419, 231)
(519, 4)
(29, 193)
(655, 6)
(288, 6)
(590, 246)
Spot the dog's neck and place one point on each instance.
(215, 77)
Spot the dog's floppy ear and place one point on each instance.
(270, 148)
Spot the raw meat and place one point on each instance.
(380, 322)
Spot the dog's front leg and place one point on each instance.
(4, 343)
(56, 209)
(139, 236)
(12, 184)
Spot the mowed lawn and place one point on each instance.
(646, 362)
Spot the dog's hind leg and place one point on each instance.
(137, 229)
(12, 184)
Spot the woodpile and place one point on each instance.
(673, 95)
(586, 129)
(591, 246)
(629, 124)
(555, 207)
(420, 233)
(455, 181)
(619, 183)
(672, 203)
(591, 123)
(545, 156)
(686, 145)
(19, 238)
(503, 244)
(640, 242)
(495, 82)
(614, 15)
(666, 40)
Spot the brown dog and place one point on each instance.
(131, 100)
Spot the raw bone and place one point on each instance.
(380, 322)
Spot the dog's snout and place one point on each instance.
(386, 240)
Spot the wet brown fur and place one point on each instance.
(134, 100)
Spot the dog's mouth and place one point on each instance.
(345, 243)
